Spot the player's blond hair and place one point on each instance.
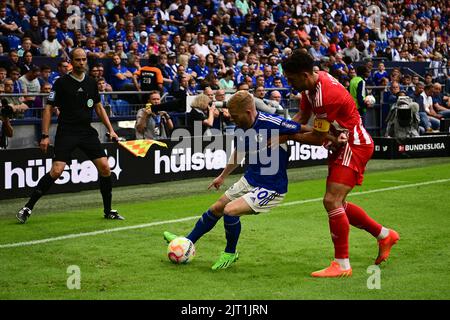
(243, 99)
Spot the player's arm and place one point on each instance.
(46, 119)
(320, 135)
(235, 160)
(101, 113)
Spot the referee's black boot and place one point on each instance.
(23, 214)
(113, 215)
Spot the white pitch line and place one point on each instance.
(145, 225)
(369, 191)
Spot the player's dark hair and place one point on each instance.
(299, 61)
(361, 70)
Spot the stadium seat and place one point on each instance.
(173, 29)
(13, 42)
(120, 107)
(237, 20)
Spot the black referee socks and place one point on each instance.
(43, 185)
(106, 190)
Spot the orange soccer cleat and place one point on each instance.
(385, 245)
(333, 271)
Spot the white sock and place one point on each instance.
(344, 263)
(383, 234)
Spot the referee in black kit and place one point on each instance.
(76, 95)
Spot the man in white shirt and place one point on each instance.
(427, 95)
(51, 46)
(200, 47)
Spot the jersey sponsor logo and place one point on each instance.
(17, 177)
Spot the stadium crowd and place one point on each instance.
(224, 44)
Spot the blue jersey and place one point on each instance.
(264, 168)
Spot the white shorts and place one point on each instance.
(258, 198)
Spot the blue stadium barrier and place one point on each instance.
(120, 107)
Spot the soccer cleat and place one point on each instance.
(168, 236)
(226, 260)
(385, 246)
(23, 214)
(113, 215)
(333, 271)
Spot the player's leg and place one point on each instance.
(90, 144)
(209, 219)
(205, 223)
(105, 183)
(339, 229)
(232, 225)
(256, 200)
(356, 215)
(64, 145)
(42, 188)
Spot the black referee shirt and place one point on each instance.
(75, 99)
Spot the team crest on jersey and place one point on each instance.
(90, 103)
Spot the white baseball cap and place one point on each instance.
(143, 34)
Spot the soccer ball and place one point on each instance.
(370, 99)
(181, 250)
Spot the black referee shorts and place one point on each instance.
(67, 141)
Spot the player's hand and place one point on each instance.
(44, 144)
(341, 140)
(113, 136)
(217, 182)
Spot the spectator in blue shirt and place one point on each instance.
(121, 77)
(201, 69)
(379, 74)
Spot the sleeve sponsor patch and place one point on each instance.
(289, 125)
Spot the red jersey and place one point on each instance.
(331, 101)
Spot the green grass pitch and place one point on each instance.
(278, 250)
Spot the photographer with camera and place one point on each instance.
(202, 113)
(224, 116)
(151, 124)
(6, 129)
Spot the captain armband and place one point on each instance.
(321, 125)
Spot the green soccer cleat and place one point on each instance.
(168, 236)
(226, 260)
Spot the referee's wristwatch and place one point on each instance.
(44, 136)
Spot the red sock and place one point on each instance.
(339, 228)
(360, 219)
